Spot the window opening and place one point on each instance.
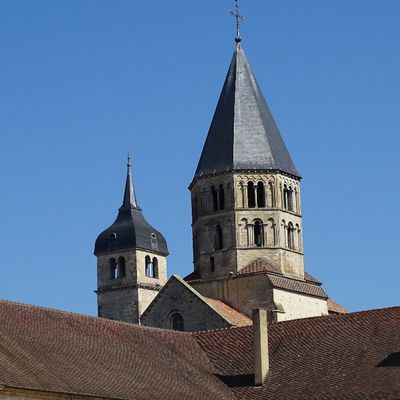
(113, 268)
(260, 194)
(177, 323)
(212, 264)
(258, 234)
(149, 272)
(290, 236)
(155, 267)
(215, 198)
(121, 268)
(251, 195)
(219, 242)
(221, 197)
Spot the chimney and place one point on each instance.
(260, 344)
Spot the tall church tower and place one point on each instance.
(246, 190)
(131, 262)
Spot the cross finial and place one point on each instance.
(129, 159)
(239, 19)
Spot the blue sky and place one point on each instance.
(84, 81)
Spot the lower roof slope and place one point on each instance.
(55, 351)
(350, 356)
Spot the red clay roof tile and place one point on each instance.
(333, 357)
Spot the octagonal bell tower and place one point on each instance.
(246, 190)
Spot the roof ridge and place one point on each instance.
(81, 316)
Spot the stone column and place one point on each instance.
(245, 202)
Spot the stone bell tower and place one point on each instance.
(246, 190)
(131, 262)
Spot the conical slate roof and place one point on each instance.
(243, 134)
(130, 230)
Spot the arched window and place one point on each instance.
(121, 267)
(260, 194)
(155, 267)
(212, 264)
(113, 268)
(177, 323)
(287, 198)
(221, 197)
(214, 193)
(258, 234)
(148, 269)
(218, 238)
(251, 195)
(290, 236)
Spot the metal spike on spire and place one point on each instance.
(239, 19)
(129, 193)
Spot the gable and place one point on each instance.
(178, 297)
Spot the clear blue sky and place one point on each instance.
(84, 81)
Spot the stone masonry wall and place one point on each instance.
(176, 298)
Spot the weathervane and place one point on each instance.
(239, 19)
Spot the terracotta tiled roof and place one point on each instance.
(55, 351)
(297, 286)
(230, 314)
(336, 308)
(259, 265)
(350, 356)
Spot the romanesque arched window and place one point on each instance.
(155, 267)
(177, 323)
(214, 194)
(260, 194)
(113, 268)
(287, 198)
(212, 264)
(258, 233)
(290, 236)
(221, 197)
(148, 267)
(120, 273)
(251, 195)
(218, 237)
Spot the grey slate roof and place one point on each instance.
(130, 229)
(243, 134)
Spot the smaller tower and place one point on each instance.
(131, 261)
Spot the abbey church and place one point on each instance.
(246, 224)
(248, 323)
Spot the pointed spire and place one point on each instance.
(243, 135)
(129, 201)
